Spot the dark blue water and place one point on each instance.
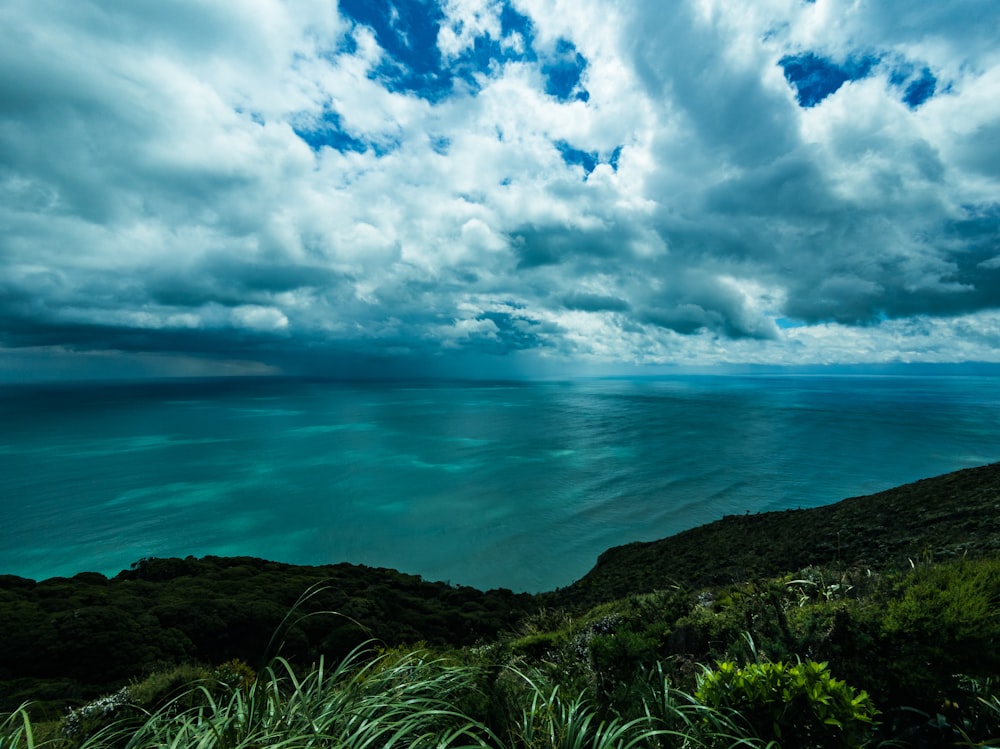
(519, 485)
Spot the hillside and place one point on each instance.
(943, 517)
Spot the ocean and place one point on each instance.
(518, 485)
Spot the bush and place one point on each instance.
(799, 706)
(943, 621)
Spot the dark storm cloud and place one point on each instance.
(231, 282)
(573, 247)
(513, 331)
(695, 302)
(852, 248)
(414, 181)
(594, 302)
(958, 274)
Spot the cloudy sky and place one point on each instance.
(496, 186)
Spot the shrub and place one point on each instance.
(96, 716)
(161, 687)
(799, 705)
(235, 674)
(943, 621)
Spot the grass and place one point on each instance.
(392, 699)
(402, 703)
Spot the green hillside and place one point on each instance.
(957, 514)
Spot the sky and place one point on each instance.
(496, 187)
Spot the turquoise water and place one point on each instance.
(517, 485)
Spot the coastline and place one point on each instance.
(944, 516)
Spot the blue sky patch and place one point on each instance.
(587, 159)
(615, 157)
(329, 131)
(563, 73)
(512, 22)
(920, 89)
(485, 50)
(900, 74)
(407, 30)
(787, 323)
(348, 45)
(440, 144)
(815, 78)
(478, 60)
(917, 87)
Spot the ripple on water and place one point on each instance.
(519, 486)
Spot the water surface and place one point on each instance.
(517, 485)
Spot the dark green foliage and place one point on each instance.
(235, 674)
(799, 706)
(948, 616)
(949, 516)
(97, 634)
(931, 632)
(174, 690)
(877, 632)
(163, 687)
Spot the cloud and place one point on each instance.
(394, 185)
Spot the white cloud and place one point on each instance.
(465, 21)
(259, 318)
(151, 178)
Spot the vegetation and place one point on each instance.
(799, 705)
(822, 652)
(71, 639)
(384, 699)
(946, 517)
